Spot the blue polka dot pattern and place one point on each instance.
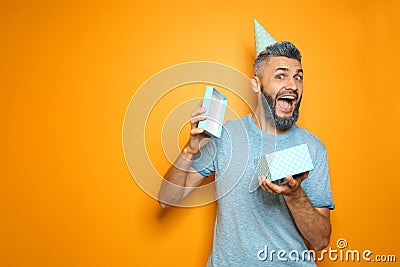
(285, 162)
(263, 38)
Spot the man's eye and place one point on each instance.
(280, 76)
(298, 78)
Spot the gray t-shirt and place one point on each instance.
(252, 225)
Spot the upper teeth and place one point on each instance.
(288, 97)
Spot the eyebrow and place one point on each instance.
(286, 69)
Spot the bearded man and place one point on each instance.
(277, 223)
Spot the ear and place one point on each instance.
(255, 84)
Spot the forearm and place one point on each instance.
(173, 186)
(313, 224)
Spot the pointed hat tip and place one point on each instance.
(262, 36)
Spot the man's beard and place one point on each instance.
(270, 112)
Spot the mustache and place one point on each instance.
(281, 93)
(287, 92)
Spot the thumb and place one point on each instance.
(291, 181)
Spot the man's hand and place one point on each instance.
(181, 178)
(290, 187)
(197, 135)
(313, 223)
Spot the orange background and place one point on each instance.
(68, 70)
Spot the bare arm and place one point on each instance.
(179, 181)
(313, 223)
(181, 178)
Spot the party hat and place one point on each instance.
(263, 38)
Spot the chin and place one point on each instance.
(285, 116)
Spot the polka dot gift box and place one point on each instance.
(276, 166)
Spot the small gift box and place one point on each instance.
(277, 165)
(215, 104)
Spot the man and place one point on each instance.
(284, 219)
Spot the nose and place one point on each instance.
(291, 84)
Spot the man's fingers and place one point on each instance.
(291, 181)
(265, 188)
(301, 176)
(290, 184)
(196, 119)
(276, 189)
(261, 182)
(268, 186)
(196, 115)
(304, 176)
(195, 131)
(199, 110)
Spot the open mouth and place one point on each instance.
(286, 102)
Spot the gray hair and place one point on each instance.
(280, 49)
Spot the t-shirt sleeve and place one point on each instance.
(317, 185)
(204, 160)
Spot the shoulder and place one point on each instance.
(316, 147)
(234, 127)
(238, 122)
(310, 138)
(233, 131)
